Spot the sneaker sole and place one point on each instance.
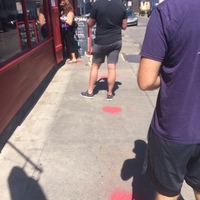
(109, 97)
(87, 97)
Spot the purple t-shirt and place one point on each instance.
(173, 37)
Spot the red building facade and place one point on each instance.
(27, 56)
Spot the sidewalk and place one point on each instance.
(71, 148)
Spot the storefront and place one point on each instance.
(29, 51)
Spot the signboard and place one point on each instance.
(82, 33)
(93, 33)
(22, 33)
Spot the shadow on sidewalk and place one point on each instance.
(23, 187)
(26, 108)
(20, 184)
(141, 188)
(102, 84)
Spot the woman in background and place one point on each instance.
(67, 25)
(42, 21)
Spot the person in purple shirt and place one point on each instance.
(170, 61)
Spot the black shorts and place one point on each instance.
(99, 52)
(169, 164)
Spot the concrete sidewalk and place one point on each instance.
(71, 148)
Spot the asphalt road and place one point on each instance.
(136, 33)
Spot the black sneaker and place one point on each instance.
(87, 95)
(109, 97)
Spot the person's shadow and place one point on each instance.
(141, 188)
(102, 84)
(23, 187)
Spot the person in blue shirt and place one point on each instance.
(170, 61)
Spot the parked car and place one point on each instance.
(12, 19)
(132, 18)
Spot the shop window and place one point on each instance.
(13, 33)
(41, 22)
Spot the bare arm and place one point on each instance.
(148, 74)
(124, 24)
(91, 22)
(70, 18)
(41, 19)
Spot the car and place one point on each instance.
(12, 19)
(132, 18)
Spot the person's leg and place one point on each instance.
(97, 59)
(192, 176)
(73, 56)
(197, 195)
(111, 77)
(93, 77)
(71, 46)
(112, 59)
(162, 197)
(68, 54)
(166, 165)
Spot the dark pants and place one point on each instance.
(70, 42)
(169, 164)
(44, 31)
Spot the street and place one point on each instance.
(136, 33)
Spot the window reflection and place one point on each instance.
(42, 22)
(13, 37)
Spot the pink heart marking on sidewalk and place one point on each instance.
(111, 109)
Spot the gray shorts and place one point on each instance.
(99, 52)
(169, 164)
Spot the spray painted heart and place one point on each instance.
(125, 196)
(121, 196)
(111, 109)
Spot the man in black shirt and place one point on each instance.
(110, 17)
